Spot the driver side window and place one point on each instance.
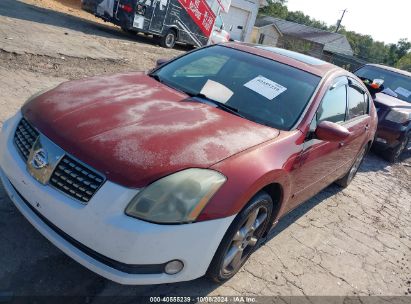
(334, 105)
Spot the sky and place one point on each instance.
(386, 21)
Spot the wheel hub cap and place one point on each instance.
(244, 240)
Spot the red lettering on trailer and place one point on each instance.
(201, 13)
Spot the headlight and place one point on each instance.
(398, 116)
(177, 198)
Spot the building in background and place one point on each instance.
(241, 17)
(301, 38)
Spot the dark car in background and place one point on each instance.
(393, 104)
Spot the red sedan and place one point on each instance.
(181, 172)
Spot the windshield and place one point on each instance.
(259, 89)
(395, 84)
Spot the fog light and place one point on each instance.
(174, 267)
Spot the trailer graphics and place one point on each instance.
(187, 21)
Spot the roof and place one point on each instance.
(402, 72)
(333, 42)
(303, 62)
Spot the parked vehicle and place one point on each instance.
(168, 176)
(393, 103)
(169, 21)
(219, 34)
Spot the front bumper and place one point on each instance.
(99, 235)
(389, 134)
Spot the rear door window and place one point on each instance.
(357, 102)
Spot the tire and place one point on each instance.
(352, 172)
(169, 39)
(393, 154)
(239, 241)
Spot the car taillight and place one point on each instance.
(125, 7)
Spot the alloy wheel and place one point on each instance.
(244, 240)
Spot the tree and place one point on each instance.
(397, 51)
(276, 8)
(403, 46)
(301, 18)
(405, 63)
(364, 46)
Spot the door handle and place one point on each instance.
(367, 127)
(341, 144)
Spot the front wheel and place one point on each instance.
(349, 176)
(241, 238)
(393, 154)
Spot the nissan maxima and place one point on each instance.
(166, 176)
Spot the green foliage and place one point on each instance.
(300, 17)
(275, 9)
(405, 62)
(364, 46)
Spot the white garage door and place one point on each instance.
(238, 18)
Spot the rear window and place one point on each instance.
(263, 90)
(357, 102)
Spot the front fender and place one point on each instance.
(251, 171)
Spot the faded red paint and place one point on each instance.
(136, 130)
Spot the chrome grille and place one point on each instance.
(24, 138)
(75, 179)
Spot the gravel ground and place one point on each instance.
(355, 241)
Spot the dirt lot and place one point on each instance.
(351, 242)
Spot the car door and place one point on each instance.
(159, 12)
(320, 159)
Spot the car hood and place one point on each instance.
(392, 102)
(135, 130)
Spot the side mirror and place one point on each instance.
(330, 131)
(160, 62)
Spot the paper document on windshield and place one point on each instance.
(216, 91)
(265, 87)
(403, 92)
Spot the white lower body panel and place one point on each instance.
(103, 227)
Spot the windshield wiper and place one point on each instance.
(220, 105)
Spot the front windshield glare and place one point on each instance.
(394, 84)
(262, 90)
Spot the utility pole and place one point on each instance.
(339, 21)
